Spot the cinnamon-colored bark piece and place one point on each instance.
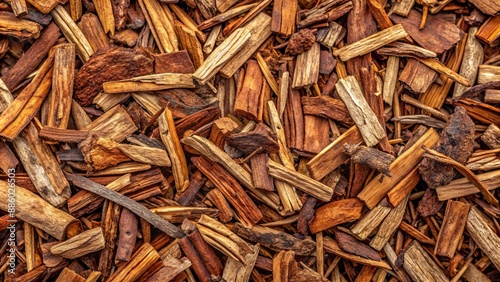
(452, 229)
(248, 142)
(335, 213)
(174, 62)
(438, 42)
(128, 230)
(456, 141)
(417, 77)
(247, 99)
(110, 64)
(351, 245)
(327, 107)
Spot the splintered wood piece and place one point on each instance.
(171, 269)
(223, 239)
(333, 247)
(415, 233)
(401, 49)
(44, 6)
(142, 260)
(245, 208)
(367, 122)
(488, 73)
(246, 18)
(419, 264)
(207, 8)
(69, 275)
(209, 150)
(444, 70)
(239, 272)
(171, 140)
(32, 58)
(211, 39)
(389, 226)
(371, 43)
(402, 7)
(403, 188)
(331, 35)
(371, 220)
(9, 160)
(473, 274)
(223, 5)
(100, 153)
(115, 124)
(147, 155)
(269, 76)
(153, 82)
(75, 9)
(62, 86)
(452, 229)
(188, 21)
(473, 58)
(300, 181)
(489, 32)
(92, 29)
(317, 134)
(335, 213)
(188, 41)
(275, 239)
(449, 34)
(390, 79)
(19, 8)
(23, 29)
(132, 205)
(283, 17)
(417, 77)
(197, 263)
(376, 189)
(77, 246)
(480, 111)
(225, 16)
(72, 33)
(260, 30)
(307, 68)
(104, 10)
(333, 155)
(284, 266)
(222, 54)
(247, 101)
(52, 220)
(491, 136)
(373, 158)
(161, 23)
(379, 14)
(492, 96)
(483, 235)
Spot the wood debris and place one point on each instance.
(273, 140)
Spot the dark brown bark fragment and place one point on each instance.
(456, 141)
(351, 245)
(110, 64)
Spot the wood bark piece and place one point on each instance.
(32, 58)
(300, 181)
(84, 243)
(333, 155)
(371, 220)
(225, 16)
(171, 140)
(389, 226)
(10, 25)
(275, 240)
(351, 245)
(391, 77)
(260, 30)
(448, 36)
(335, 213)
(332, 246)
(72, 33)
(62, 86)
(175, 62)
(420, 266)
(326, 107)
(153, 82)
(483, 235)
(456, 142)
(247, 102)
(488, 32)
(329, 36)
(486, 6)
(401, 49)
(473, 58)
(452, 228)
(488, 73)
(48, 218)
(417, 77)
(115, 124)
(375, 190)
(191, 253)
(444, 70)
(283, 17)
(372, 157)
(128, 226)
(69, 275)
(110, 64)
(307, 67)
(92, 29)
(490, 136)
(222, 54)
(187, 39)
(363, 116)
(284, 266)
(371, 43)
(244, 206)
(140, 262)
(133, 206)
(43, 6)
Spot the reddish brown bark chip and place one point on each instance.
(301, 41)
(110, 64)
(351, 245)
(456, 141)
(430, 204)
